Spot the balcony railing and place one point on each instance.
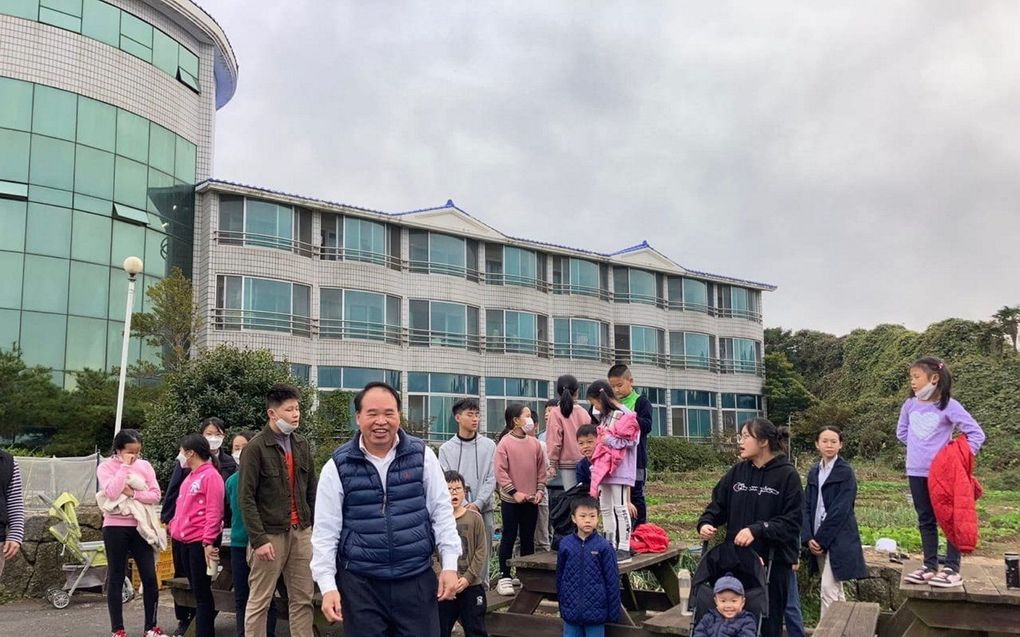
(513, 279)
(680, 306)
(339, 253)
(682, 361)
(639, 357)
(237, 319)
(360, 330)
(583, 352)
(431, 267)
(436, 338)
(640, 298)
(734, 366)
(230, 237)
(726, 312)
(582, 290)
(517, 345)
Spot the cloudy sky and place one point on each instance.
(862, 157)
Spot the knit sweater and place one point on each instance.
(112, 476)
(561, 437)
(473, 460)
(520, 466)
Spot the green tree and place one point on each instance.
(816, 356)
(1008, 319)
(784, 388)
(28, 397)
(174, 320)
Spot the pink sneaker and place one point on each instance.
(920, 576)
(947, 578)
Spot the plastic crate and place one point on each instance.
(164, 568)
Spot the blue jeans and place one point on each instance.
(573, 630)
(794, 621)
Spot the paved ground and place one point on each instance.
(87, 617)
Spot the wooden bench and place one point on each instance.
(849, 619)
(670, 622)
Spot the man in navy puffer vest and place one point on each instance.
(386, 509)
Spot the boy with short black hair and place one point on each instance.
(729, 610)
(587, 575)
(587, 436)
(622, 381)
(470, 605)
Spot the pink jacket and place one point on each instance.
(615, 457)
(199, 513)
(561, 437)
(112, 476)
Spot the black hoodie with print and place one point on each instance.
(766, 500)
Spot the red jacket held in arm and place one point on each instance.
(954, 492)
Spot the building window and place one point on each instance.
(432, 252)
(502, 392)
(262, 304)
(688, 294)
(580, 338)
(693, 413)
(740, 356)
(640, 344)
(430, 402)
(692, 350)
(516, 332)
(738, 302)
(254, 222)
(578, 276)
(438, 323)
(738, 409)
(507, 265)
(636, 286)
(660, 420)
(356, 239)
(355, 378)
(300, 371)
(358, 314)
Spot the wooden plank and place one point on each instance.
(978, 584)
(900, 621)
(667, 577)
(652, 600)
(997, 576)
(863, 620)
(537, 581)
(671, 622)
(968, 616)
(546, 560)
(525, 602)
(513, 625)
(835, 620)
(923, 591)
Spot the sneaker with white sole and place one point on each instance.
(505, 587)
(919, 576)
(118, 633)
(622, 557)
(946, 578)
(155, 631)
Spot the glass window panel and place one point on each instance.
(130, 183)
(697, 348)
(445, 250)
(358, 377)
(494, 386)
(15, 104)
(329, 376)
(42, 339)
(48, 231)
(418, 314)
(700, 398)
(12, 266)
(136, 36)
(115, 343)
(561, 331)
(231, 216)
(12, 224)
(89, 290)
(494, 325)
(674, 289)
(131, 215)
(184, 161)
(448, 318)
(419, 246)
(86, 343)
(51, 196)
(330, 304)
(695, 294)
(521, 266)
(132, 136)
(393, 310)
(642, 286)
(155, 249)
(54, 112)
(364, 240)
(93, 172)
(10, 327)
(97, 124)
(164, 52)
(70, 7)
(160, 194)
(584, 275)
(729, 401)
(699, 423)
(738, 300)
(27, 9)
(301, 305)
(14, 158)
(188, 62)
(268, 224)
(269, 304)
(90, 239)
(417, 381)
(364, 313)
(65, 14)
(118, 293)
(128, 241)
(52, 163)
(47, 284)
(162, 144)
(101, 21)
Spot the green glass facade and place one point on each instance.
(84, 184)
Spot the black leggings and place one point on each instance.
(122, 542)
(201, 588)
(518, 519)
(779, 590)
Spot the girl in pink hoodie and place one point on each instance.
(197, 523)
(120, 532)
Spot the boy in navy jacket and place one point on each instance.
(587, 577)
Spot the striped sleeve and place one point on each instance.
(15, 508)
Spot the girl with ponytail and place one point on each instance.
(561, 434)
(760, 502)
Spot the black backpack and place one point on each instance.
(559, 513)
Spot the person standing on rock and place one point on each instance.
(12, 509)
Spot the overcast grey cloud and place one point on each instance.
(861, 156)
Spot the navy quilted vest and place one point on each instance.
(386, 535)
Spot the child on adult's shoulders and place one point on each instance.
(728, 618)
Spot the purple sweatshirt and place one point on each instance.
(926, 430)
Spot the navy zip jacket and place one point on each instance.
(587, 581)
(714, 625)
(838, 533)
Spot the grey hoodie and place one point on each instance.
(473, 460)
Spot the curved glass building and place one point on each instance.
(107, 110)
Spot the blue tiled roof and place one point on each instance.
(450, 205)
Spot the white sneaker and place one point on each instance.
(505, 587)
(155, 631)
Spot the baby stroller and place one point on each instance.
(744, 564)
(89, 567)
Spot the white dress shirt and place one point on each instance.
(824, 469)
(329, 501)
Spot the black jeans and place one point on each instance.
(201, 588)
(519, 519)
(121, 542)
(398, 608)
(240, 570)
(637, 496)
(469, 608)
(779, 588)
(929, 528)
(183, 614)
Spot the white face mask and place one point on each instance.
(182, 460)
(236, 456)
(925, 392)
(215, 442)
(285, 427)
(595, 412)
(528, 426)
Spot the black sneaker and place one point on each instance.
(622, 557)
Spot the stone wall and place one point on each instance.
(37, 566)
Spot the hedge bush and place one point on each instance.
(669, 454)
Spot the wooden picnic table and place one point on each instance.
(538, 582)
(982, 606)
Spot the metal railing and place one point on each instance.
(339, 253)
(582, 290)
(517, 345)
(237, 319)
(253, 239)
(734, 366)
(682, 361)
(719, 312)
(436, 338)
(360, 330)
(630, 297)
(521, 281)
(583, 352)
(430, 267)
(658, 359)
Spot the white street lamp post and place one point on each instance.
(132, 265)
